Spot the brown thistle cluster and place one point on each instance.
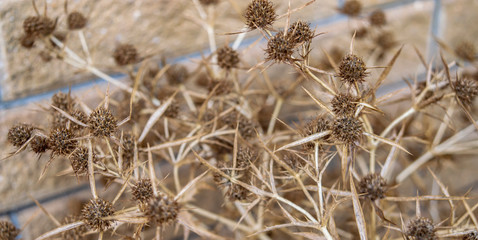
(94, 212)
(351, 8)
(260, 14)
(102, 123)
(79, 160)
(344, 104)
(125, 54)
(465, 90)
(142, 190)
(8, 231)
(421, 228)
(62, 141)
(372, 186)
(38, 26)
(316, 125)
(352, 69)
(75, 233)
(471, 236)
(227, 58)
(20, 134)
(300, 32)
(76, 20)
(347, 130)
(161, 209)
(377, 18)
(39, 144)
(282, 45)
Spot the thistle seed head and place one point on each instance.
(162, 209)
(125, 54)
(385, 40)
(223, 86)
(19, 134)
(76, 20)
(465, 90)
(347, 130)
(38, 26)
(80, 116)
(75, 233)
(177, 74)
(372, 186)
(300, 32)
(344, 104)
(352, 69)
(466, 51)
(421, 228)
(62, 101)
(39, 144)
(93, 212)
(128, 150)
(260, 14)
(378, 18)
(280, 48)
(79, 161)
(8, 231)
(471, 236)
(102, 123)
(317, 125)
(351, 8)
(142, 190)
(227, 58)
(61, 141)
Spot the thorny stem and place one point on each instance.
(275, 114)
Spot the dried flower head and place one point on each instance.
(227, 58)
(125, 54)
(317, 125)
(300, 32)
(142, 190)
(471, 236)
(360, 33)
(246, 126)
(347, 130)
(8, 231)
(39, 144)
(386, 40)
(372, 186)
(465, 90)
(162, 209)
(378, 18)
(79, 161)
(80, 116)
(27, 41)
(466, 51)
(76, 20)
(62, 101)
(128, 150)
(177, 74)
(280, 48)
(209, 2)
(38, 26)
(62, 141)
(351, 8)
(102, 123)
(352, 69)
(260, 14)
(19, 134)
(245, 156)
(93, 212)
(344, 104)
(421, 228)
(75, 233)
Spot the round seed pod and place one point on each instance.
(177, 74)
(347, 130)
(76, 20)
(62, 142)
(39, 144)
(260, 14)
(465, 90)
(360, 33)
(80, 116)
(128, 150)
(421, 228)
(102, 123)
(27, 41)
(62, 101)
(125, 54)
(300, 32)
(352, 69)
(75, 233)
(142, 190)
(223, 86)
(351, 8)
(93, 212)
(280, 48)
(227, 58)
(173, 110)
(317, 125)
(79, 161)
(344, 104)
(378, 18)
(372, 186)
(161, 209)
(19, 134)
(386, 40)
(466, 51)
(209, 2)
(38, 26)
(471, 236)
(8, 231)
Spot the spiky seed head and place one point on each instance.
(386, 40)
(360, 33)
(352, 8)
(62, 101)
(102, 123)
(421, 228)
(466, 51)
(227, 58)
(173, 110)
(471, 236)
(209, 2)
(61, 141)
(76, 20)
(162, 209)
(233, 191)
(38, 26)
(352, 69)
(75, 233)
(27, 41)
(260, 14)
(19, 134)
(79, 161)
(93, 212)
(142, 190)
(344, 104)
(246, 126)
(300, 32)
(377, 18)
(372, 186)
(347, 130)
(125, 54)
(316, 125)
(237, 192)
(8, 231)
(39, 144)
(245, 156)
(280, 48)
(177, 74)
(465, 90)
(80, 116)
